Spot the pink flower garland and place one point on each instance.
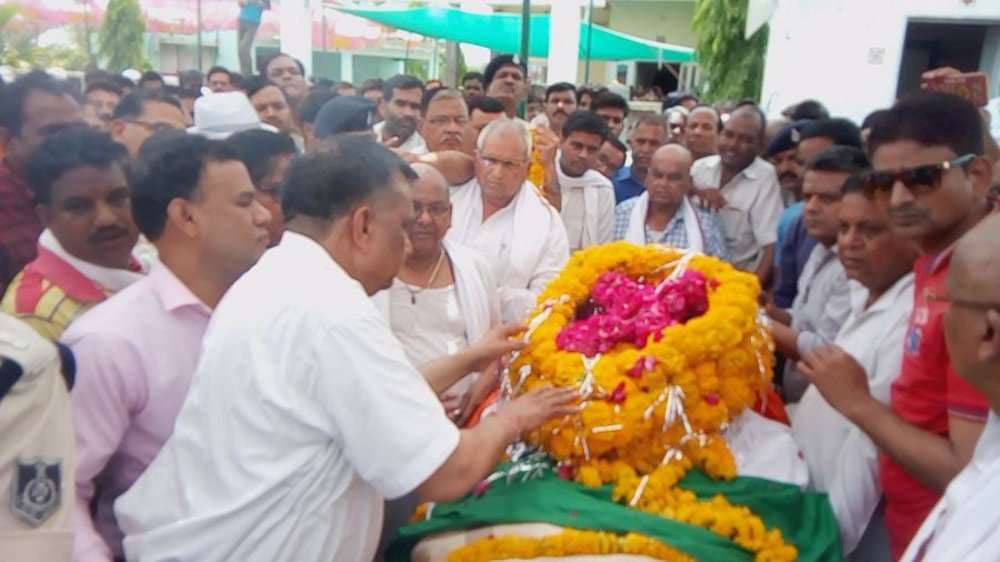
(624, 310)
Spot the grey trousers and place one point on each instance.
(245, 34)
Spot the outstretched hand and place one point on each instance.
(839, 377)
(529, 411)
(495, 345)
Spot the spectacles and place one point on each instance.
(505, 165)
(152, 127)
(920, 179)
(964, 303)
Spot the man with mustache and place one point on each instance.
(930, 172)
(506, 80)
(85, 252)
(445, 118)
(649, 134)
(843, 461)
(613, 109)
(271, 105)
(702, 131)
(400, 109)
(136, 352)
(560, 102)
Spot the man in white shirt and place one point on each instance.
(506, 78)
(584, 197)
(745, 189)
(824, 297)
(445, 119)
(560, 103)
(502, 215)
(962, 526)
(843, 461)
(400, 108)
(304, 411)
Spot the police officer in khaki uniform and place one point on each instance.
(37, 489)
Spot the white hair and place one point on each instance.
(503, 125)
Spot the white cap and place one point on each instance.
(132, 74)
(219, 115)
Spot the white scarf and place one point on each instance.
(532, 214)
(589, 182)
(636, 232)
(110, 279)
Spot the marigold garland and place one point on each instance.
(649, 415)
(570, 542)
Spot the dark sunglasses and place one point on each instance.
(921, 179)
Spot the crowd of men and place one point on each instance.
(240, 313)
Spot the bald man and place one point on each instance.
(443, 297)
(962, 526)
(664, 215)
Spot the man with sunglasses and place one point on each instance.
(929, 173)
(963, 524)
(142, 113)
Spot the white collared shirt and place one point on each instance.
(414, 144)
(753, 205)
(303, 414)
(842, 459)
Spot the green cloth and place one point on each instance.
(805, 518)
(502, 32)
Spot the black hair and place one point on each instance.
(591, 90)
(258, 148)
(237, 79)
(313, 102)
(619, 145)
(14, 95)
(103, 86)
(131, 105)
(845, 159)
(758, 112)
(151, 76)
(651, 119)
(122, 82)
(532, 99)
(372, 84)
(608, 99)
(191, 79)
(473, 75)
(170, 166)
(930, 119)
(560, 87)
(67, 150)
(842, 132)
(183, 93)
(344, 84)
(499, 62)
(872, 117)
(329, 184)
(584, 121)
(267, 62)
(809, 109)
(218, 70)
(255, 84)
(323, 83)
(854, 184)
(715, 110)
(486, 104)
(400, 82)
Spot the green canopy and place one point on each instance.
(502, 32)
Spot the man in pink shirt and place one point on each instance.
(136, 352)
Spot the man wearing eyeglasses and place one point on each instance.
(140, 114)
(445, 118)
(504, 216)
(929, 173)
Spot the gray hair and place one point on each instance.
(504, 125)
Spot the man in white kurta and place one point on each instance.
(963, 525)
(503, 216)
(304, 411)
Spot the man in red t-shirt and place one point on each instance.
(928, 169)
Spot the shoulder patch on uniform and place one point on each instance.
(36, 489)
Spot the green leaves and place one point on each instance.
(120, 41)
(734, 67)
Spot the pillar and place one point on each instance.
(295, 36)
(564, 41)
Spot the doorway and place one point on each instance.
(932, 45)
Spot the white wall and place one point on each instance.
(847, 53)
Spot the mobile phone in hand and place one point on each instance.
(973, 86)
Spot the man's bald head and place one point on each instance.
(429, 176)
(972, 322)
(674, 153)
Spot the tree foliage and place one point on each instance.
(19, 47)
(120, 41)
(733, 66)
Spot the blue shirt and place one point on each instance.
(252, 12)
(785, 220)
(625, 186)
(795, 250)
(675, 235)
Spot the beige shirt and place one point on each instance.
(753, 205)
(37, 458)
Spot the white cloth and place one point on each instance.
(753, 205)
(110, 279)
(414, 144)
(766, 449)
(636, 232)
(478, 305)
(588, 208)
(963, 525)
(525, 242)
(302, 415)
(842, 459)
